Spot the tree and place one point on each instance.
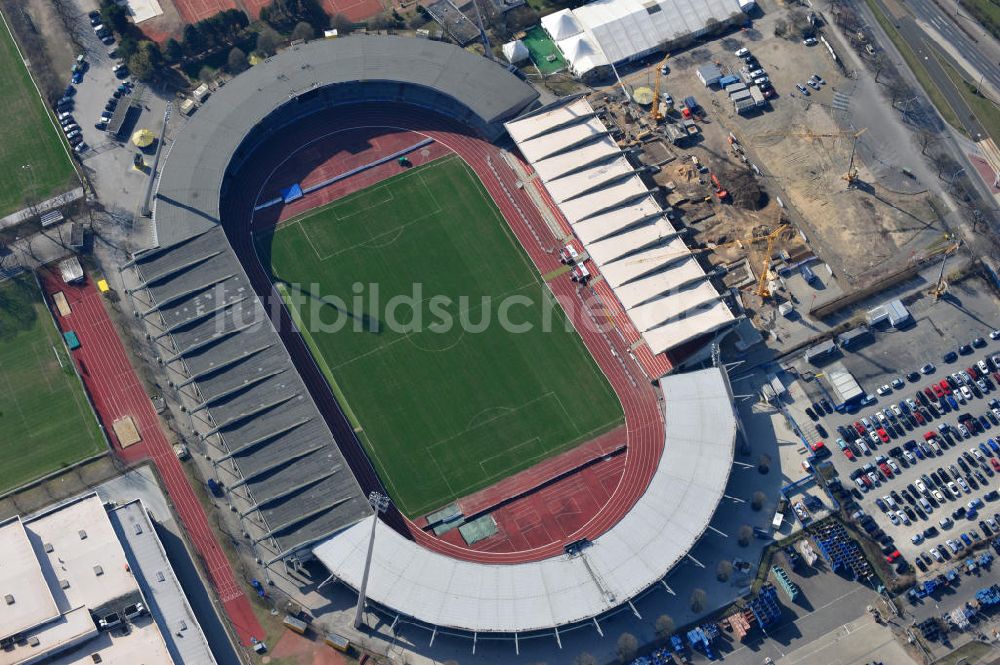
(698, 600)
(746, 533)
(267, 42)
(237, 61)
(303, 31)
(146, 62)
(283, 15)
(194, 41)
(664, 625)
(764, 463)
(206, 74)
(724, 570)
(627, 646)
(116, 16)
(757, 502)
(173, 52)
(383, 21)
(926, 137)
(898, 89)
(342, 24)
(780, 27)
(585, 659)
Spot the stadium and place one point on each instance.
(535, 485)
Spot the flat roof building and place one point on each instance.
(64, 570)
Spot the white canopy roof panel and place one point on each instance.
(611, 222)
(621, 226)
(685, 329)
(545, 145)
(645, 288)
(557, 166)
(671, 305)
(605, 199)
(531, 126)
(617, 246)
(637, 552)
(575, 184)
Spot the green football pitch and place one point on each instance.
(34, 163)
(45, 421)
(443, 410)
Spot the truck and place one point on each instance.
(757, 95)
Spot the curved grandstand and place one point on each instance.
(283, 447)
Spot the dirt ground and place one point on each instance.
(37, 26)
(862, 233)
(60, 487)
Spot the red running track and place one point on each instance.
(117, 392)
(643, 420)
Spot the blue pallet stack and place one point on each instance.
(677, 643)
(765, 606)
(842, 551)
(662, 657)
(699, 641)
(989, 596)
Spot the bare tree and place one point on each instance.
(724, 570)
(664, 625)
(585, 659)
(757, 502)
(745, 534)
(926, 137)
(698, 600)
(627, 646)
(764, 463)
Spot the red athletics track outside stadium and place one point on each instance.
(116, 392)
(644, 423)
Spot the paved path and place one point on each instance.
(117, 392)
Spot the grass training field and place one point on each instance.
(34, 165)
(45, 421)
(443, 411)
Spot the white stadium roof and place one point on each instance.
(621, 30)
(636, 553)
(623, 229)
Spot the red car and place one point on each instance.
(929, 435)
(945, 386)
(882, 435)
(996, 375)
(892, 556)
(938, 391)
(849, 454)
(931, 394)
(860, 428)
(920, 417)
(884, 468)
(973, 372)
(996, 463)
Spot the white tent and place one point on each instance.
(515, 51)
(623, 30)
(561, 25)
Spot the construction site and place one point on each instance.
(793, 188)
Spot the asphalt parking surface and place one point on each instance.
(910, 469)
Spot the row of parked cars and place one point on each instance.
(753, 73)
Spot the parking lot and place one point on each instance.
(922, 476)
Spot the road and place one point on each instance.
(977, 52)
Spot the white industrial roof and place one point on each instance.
(21, 578)
(637, 552)
(619, 223)
(624, 29)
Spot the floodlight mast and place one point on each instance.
(379, 503)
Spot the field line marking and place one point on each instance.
(484, 461)
(512, 410)
(367, 207)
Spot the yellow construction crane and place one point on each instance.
(655, 108)
(659, 256)
(762, 289)
(941, 286)
(852, 173)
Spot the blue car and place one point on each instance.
(986, 450)
(966, 539)
(952, 403)
(994, 445)
(78, 77)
